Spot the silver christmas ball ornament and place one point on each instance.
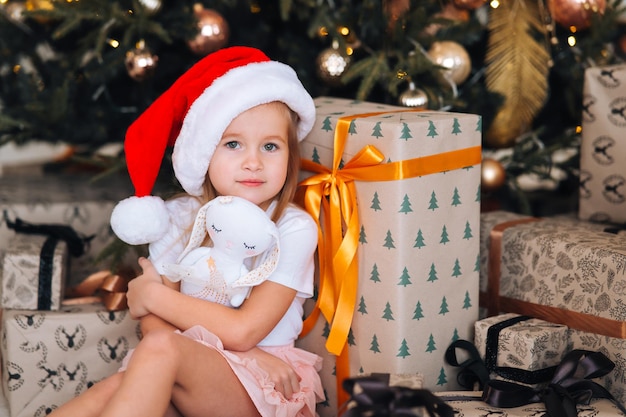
(413, 97)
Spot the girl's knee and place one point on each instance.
(159, 342)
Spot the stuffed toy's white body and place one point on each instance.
(239, 230)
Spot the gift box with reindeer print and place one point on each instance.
(603, 148)
(48, 357)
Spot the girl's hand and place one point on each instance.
(285, 379)
(138, 288)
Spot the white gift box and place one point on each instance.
(418, 243)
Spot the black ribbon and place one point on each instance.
(76, 243)
(46, 267)
(570, 385)
(373, 397)
(473, 370)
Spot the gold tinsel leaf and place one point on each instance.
(518, 62)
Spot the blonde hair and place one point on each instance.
(288, 191)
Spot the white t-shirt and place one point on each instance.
(298, 241)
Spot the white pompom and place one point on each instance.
(140, 220)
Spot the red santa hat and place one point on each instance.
(191, 116)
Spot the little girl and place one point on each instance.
(234, 120)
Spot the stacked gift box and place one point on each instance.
(563, 270)
(417, 195)
(64, 326)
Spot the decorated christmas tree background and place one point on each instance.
(78, 72)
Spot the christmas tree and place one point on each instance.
(80, 71)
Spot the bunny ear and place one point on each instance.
(198, 233)
(263, 271)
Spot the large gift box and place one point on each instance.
(33, 273)
(399, 245)
(469, 404)
(520, 348)
(603, 149)
(563, 270)
(73, 200)
(48, 357)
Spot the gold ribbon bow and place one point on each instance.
(330, 197)
(102, 286)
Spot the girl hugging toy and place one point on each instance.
(239, 230)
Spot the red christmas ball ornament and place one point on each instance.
(577, 13)
(213, 31)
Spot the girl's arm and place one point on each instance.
(239, 329)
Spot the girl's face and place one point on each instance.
(251, 159)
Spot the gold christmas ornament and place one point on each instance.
(454, 57)
(576, 13)
(36, 5)
(140, 62)
(413, 97)
(492, 175)
(213, 31)
(151, 6)
(518, 63)
(331, 65)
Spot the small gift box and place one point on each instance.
(521, 348)
(34, 273)
(50, 357)
(375, 395)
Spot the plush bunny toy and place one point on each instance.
(238, 229)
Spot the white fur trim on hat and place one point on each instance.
(140, 220)
(228, 96)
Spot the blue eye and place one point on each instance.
(270, 147)
(232, 144)
(249, 247)
(215, 228)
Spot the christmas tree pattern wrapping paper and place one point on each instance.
(603, 148)
(64, 199)
(50, 357)
(33, 273)
(418, 242)
(529, 345)
(468, 404)
(568, 271)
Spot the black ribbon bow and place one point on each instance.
(373, 397)
(570, 385)
(472, 370)
(76, 244)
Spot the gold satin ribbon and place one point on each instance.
(102, 286)
(330, 197)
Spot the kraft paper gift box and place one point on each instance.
(33, 273)
(563, 270)
(414, 287)
(65, 199)
(50, 357)
(469, 404)
(602, 194)
(520, 348)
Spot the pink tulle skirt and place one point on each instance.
(268, 401)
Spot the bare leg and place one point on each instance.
(167, 366)
(91, 402)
